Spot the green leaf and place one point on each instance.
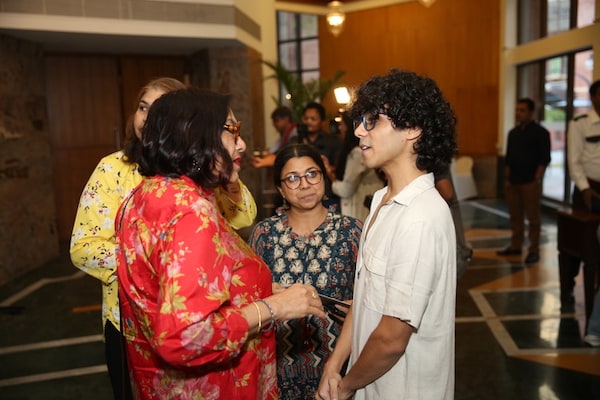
(301, 93)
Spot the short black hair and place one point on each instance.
(297, 150)
(412, 101)
(182, 137)
(282, 112)
(316, 106)
(528, 102)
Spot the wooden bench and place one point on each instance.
(578, 242)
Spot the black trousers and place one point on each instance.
(573, 266)
(116, 361)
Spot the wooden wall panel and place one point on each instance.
(83, 117)
(89, 99)
(454, 42)
(136, 71)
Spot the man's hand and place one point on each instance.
(328, 387)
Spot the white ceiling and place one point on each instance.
(116, 44)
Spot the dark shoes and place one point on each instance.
(509, 252)
(532, 258)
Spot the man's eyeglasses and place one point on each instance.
(234, 130)
(368, 120)
(313, 177)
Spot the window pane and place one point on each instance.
(583, 79)
(529, 26)
(586, 9)
(310, 76)
(310, 54)
(309, 26)
(555, 120)
(286, 25)
(288, 56)
(558, 16)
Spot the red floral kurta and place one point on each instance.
(183, 275)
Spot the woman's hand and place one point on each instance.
(297, 301)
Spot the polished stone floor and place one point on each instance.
(512, 341)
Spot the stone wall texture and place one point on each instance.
(28, 236)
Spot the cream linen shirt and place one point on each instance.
(407, 269)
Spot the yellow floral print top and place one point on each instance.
(93, 239)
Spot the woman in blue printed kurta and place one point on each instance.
(306, 243)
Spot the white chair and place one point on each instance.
(462, 176)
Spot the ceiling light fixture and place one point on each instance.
(342, 95)
(335, 17)
(427, 3)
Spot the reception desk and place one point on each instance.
(577, 241)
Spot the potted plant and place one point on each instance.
(301, 92)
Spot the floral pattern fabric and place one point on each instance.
(184, 275)
(93, 238)
(325, 259)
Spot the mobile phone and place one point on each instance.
(329, 303)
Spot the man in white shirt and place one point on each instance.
(399, 332)
(583, 145)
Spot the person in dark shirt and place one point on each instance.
(328, 145)
(527, 156)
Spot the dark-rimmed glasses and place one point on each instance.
(234, 129)
(368, 120)
(312, 177)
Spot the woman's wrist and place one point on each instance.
(272, 319)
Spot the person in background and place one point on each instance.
(464, 253)
(93, 247)
(283, 121)
(583, 157)
(306, 243)
(527, 156)
(399, 332)
(328, 145)
(352, 181)
(197, 303)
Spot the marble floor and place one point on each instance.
(512, 341)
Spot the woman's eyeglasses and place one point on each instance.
(234, 130)
(312, 177)
(368, 120)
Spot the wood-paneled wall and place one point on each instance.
(455, 42)
(89, 98)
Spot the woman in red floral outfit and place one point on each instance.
(197, 303)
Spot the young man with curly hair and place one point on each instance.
(399, 332)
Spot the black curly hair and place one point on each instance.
(412, 101)
(182, 137)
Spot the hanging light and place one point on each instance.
(427, 3)
(342, 95)
(335, 17)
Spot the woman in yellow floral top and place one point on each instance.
(197, 304)
(93, 238)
